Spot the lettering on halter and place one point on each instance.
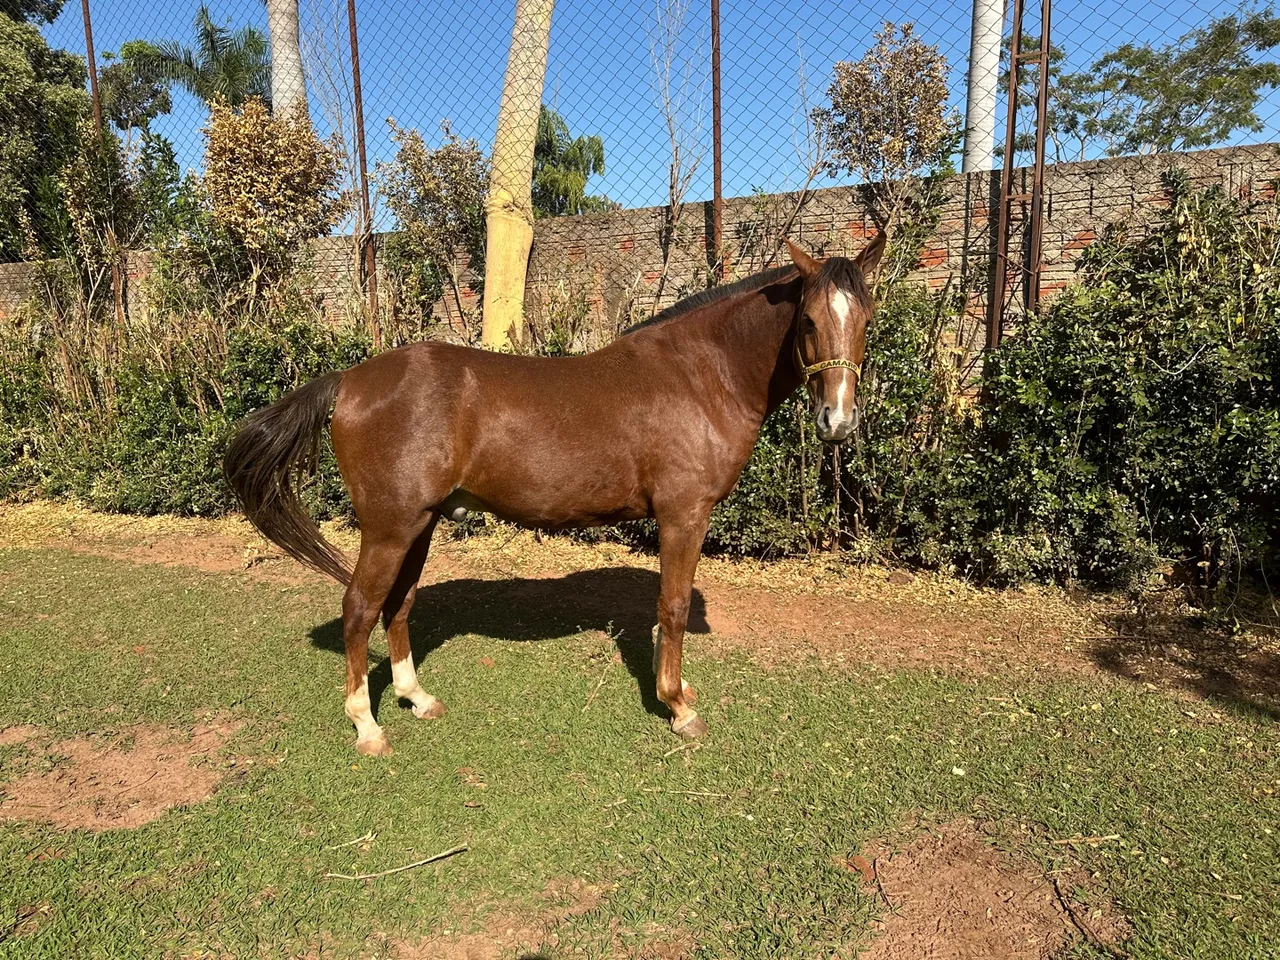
(811, 369)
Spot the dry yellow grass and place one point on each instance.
(505, 551)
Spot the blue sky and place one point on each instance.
(427, 61)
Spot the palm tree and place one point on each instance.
(288, 84)
(233, 66)
(562, 164)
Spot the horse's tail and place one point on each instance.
(265, 463)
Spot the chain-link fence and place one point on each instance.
(626, 134)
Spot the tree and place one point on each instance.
(1078, 109)
(99, 188)
(226, 65)
(288, 85)
(509, 205)
(1140, 98)
(888, 122)
(24, 11)
(562, 164)
(1197, 91)
(163, 194)
(676, 65)
(273, 185)
(42, 100)
(129, 100)
(437, 197)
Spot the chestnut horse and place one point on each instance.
(657, 424)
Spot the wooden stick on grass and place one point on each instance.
(1092, 841)
(875, 872)
(367, 838)
(616, 658)
(407, 866)
(1084, 926)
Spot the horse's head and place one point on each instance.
(831, 333)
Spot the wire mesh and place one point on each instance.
(627, 122)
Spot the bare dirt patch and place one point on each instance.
(951, 895)
(224, 545)
(1161, 642)
(16, 736)
(505, 934)
(120, 780)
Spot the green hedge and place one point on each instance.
(154, 443)
(1140, 415)
(1135, 421)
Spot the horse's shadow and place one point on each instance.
(619, 600)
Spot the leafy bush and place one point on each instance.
(1140, 415)
(133, 415)
(273, 184)
(437, 197)
(42, 101)
(897, 481)
(1134, 421)
(158, 449)
(780, 505)
(24, 401)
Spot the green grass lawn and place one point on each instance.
(808, 763)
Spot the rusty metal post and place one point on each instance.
(1000, 273)
(1030, 267)
(117, 280)
(717, 203)
(368, 257)
(93, 67)
(1037, 186)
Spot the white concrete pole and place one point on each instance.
(984, 76)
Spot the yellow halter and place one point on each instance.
(811, 369)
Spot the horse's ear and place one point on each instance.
(806, 264)
(869, 259)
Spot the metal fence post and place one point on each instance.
(717, 203)
(117, 281)
(368, 258)
(1030, 266)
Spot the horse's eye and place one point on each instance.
(807, 324)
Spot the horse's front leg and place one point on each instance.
(680, 545)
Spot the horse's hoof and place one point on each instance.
(432, 711)
(692, 729)
(690, 694)
(374, 746)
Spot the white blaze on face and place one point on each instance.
(841, 307)
(839, 416)
(842, 310)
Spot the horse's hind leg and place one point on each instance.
(372, 580)
(395, 616)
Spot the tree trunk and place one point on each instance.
(509, 206)
(288, 85)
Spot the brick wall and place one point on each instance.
(615, 260)
(16, 280)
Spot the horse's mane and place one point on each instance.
(840, 271)
(712, 295)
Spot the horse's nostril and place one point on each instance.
(824, 418)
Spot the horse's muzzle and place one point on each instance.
(833, 426)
